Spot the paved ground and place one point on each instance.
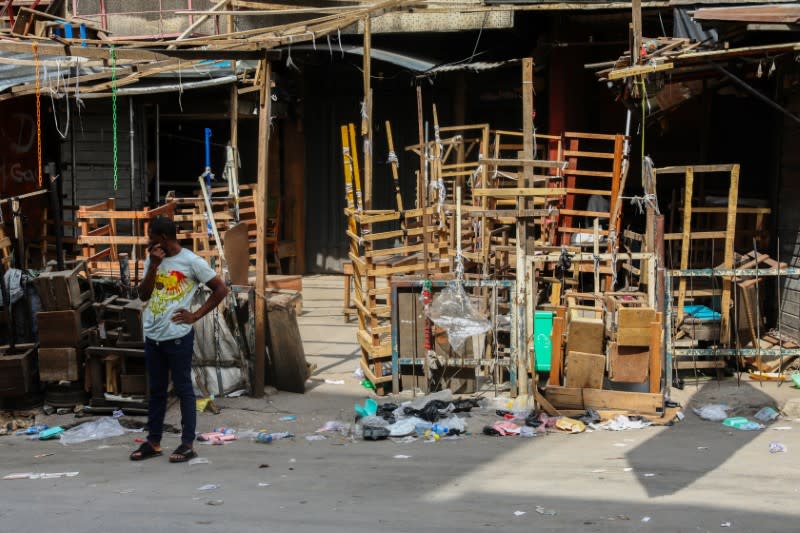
(692, 477)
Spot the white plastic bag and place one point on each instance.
(452, 311)
(99, 429)
(716, 412)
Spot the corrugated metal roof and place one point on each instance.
(16, 69)
(768, 14)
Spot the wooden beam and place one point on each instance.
(261, 324)
(366, 120)
(199, 22)
(730, 229)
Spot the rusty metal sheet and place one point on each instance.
(768, 14)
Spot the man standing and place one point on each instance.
(172, 276)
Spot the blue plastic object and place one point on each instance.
(68, 30)
(701, 312)
(208, 149)
(369, 408)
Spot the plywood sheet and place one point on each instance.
(585, 370)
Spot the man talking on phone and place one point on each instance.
(172, 276)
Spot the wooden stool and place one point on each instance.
(347, 309)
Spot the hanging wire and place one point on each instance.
(114, 113)
(38, 115)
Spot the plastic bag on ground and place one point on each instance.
(453, 423)
(373, 422)
(739, 422)
(406, 426)
(715, 412)
(622, 422)
(452, 311)
(96, 430)
(445, 395)
(766, 414)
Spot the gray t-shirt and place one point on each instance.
(177, 280)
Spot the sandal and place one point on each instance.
(182, 454)
(145, 451)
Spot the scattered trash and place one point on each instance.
(335, 425)
(264, 465)
(236, 393)
(117, 413)
(139, 440)
(125, 491)
(796, 380)
(628, 469)
(267, 438)
(777, 447)
(210, 486)
(502, 429)
(619, 517)
(546, 512)
(781, 428)
(292, 460)
(520, 513)
(649, 475)
(739, 422)
(334, 381)
(725, 524)
(620, 444)
(42, 455)
(289, 418)
(375, 432)
(591, 417)
(33, 430)
(406, 440)
(766, 414)
(358, 373)
(96, 430)
(202, 404)
(599, 471)
(52, 433)
(645, 519)
(452, 311)
(63, 411)
(571, 425)
(622, 422)
(48, 410)
(367, 384)
(215, 502)
(408, 426)
(199, 461)
(312, 438)
(370, 408)
(402, 457)
(680, 416)
(264, 484)
(218, 436)
(31, 475)
(702, 447)
(527, 432)
(715, 412)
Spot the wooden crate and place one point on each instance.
(60, 364)
(61, 290)
(133, 383)
(59, 328)
(17, 370)
(628, 364)
(585, 370)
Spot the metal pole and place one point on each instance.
(133, 157)
(158, 154)
(760, 96)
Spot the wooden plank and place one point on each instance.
(593, 155)
(695, 169)
(725, 302)
(594, 136)
(635, 317)
(628, 364)
(639, 402)
(585, 370)
(595, 173)
(57, 364)
(685, 236)
(639, 70)
(564, 398)
(557, 349)
(598, 192)
(696, 235)
(518, 191)
(585, 335)
(546, 406)
(633, 336)
(656, 355)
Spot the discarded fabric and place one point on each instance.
(544, 511)
(622, 422)
(570, 425)
(312, 438)
(334, 425)
(42, 475)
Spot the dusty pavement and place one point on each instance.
(695, 476)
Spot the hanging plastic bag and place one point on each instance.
(452, 311)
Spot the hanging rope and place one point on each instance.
(54, 93)
(114, 113)
(38, 115)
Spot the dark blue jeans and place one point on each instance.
(162, 358)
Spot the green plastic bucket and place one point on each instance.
(542, 340)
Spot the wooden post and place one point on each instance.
(522, 229)
(636, 15)
(730, 232)
(685, 239)
(366, 114)
(264, 110)
(659, 259)
(656, 364)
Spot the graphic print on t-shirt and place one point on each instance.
(169, 287)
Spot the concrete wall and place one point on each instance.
(141, 17)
